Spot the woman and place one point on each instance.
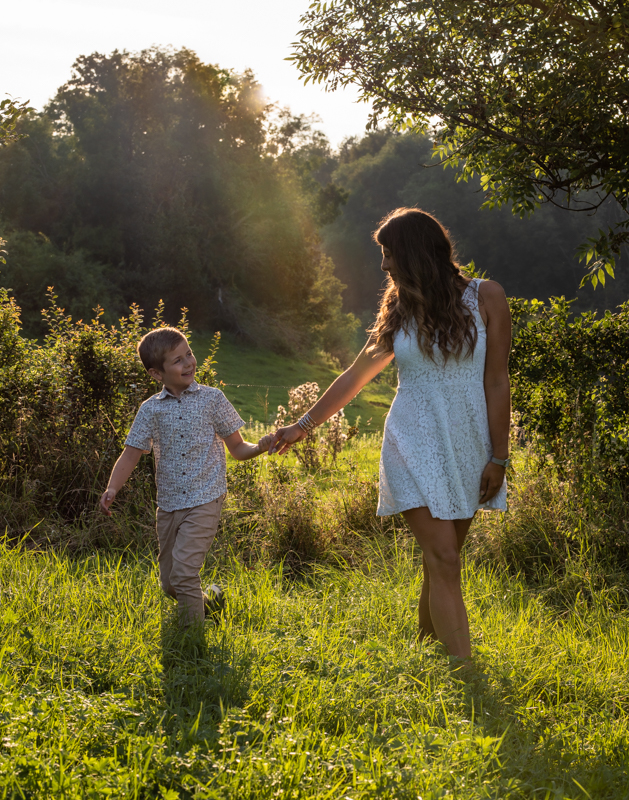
(445, 445)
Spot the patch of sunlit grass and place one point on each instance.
(309, 688)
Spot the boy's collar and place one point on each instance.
(194, 387)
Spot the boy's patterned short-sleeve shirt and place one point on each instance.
(186, 436)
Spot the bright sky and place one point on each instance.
(42, 38)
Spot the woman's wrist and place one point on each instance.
(501, 451)
(307, 423)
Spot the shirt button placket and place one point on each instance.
(183, 455)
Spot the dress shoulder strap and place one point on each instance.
(470, 295)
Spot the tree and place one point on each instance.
(532, 95)
(161, 176)
(531, 257)
(11, 111)
(10, 114)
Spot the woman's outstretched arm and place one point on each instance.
(344, 389)
(497, 387)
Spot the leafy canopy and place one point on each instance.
(10, 113)
(154, 175)
(533, 96)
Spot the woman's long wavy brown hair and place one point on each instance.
(427, 289)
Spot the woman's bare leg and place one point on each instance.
(426, 627)
(441, 608)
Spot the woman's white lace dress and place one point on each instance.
(436, 437)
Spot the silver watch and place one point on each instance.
(501, 462)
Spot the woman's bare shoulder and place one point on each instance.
(491, 291)
(493, 304)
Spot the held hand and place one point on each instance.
(491, 481)
(264, 442)
(106, 500)
(285, 437)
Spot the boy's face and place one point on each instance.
(178, 370)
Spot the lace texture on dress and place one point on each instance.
(436, 438)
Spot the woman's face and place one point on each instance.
(388, 264)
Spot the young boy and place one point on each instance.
(186, 425)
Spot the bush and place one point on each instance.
(565, 542)
(34, 263)
(571, 388)
(65, 408)
(284, 516)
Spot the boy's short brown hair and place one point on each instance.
(155, 345)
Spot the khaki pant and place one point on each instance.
(185, 536)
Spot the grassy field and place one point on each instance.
(257, 381)
(314, 684)
(309, 689)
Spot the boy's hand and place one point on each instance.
(264, 442)
(106, 500)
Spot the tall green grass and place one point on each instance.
(309, 688)
(561, 540)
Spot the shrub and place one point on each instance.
(277, 513)
(275, 518)
(571, 388)
(66, 406)
(35, 263)
(559, 538)
(357, 531)
(296, 538)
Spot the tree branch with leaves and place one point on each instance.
(10, 114)
(531, 96)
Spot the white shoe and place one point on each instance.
(214, 602)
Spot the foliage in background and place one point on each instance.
(530, 257)
(35, 263)
(11, 111)
(531, 96)
(65, 408)
(304, 151)
(323, 444)
(155, 175)
(571, 388)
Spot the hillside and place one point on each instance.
(256, 381)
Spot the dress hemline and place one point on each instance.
(403, 508)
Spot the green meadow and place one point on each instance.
(314, 684)
(309, 688)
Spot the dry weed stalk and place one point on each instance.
(322, 445)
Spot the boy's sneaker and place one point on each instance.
(214, 602)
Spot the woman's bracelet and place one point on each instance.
(306, 423)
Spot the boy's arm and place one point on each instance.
(242, 450)
(119, 474)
